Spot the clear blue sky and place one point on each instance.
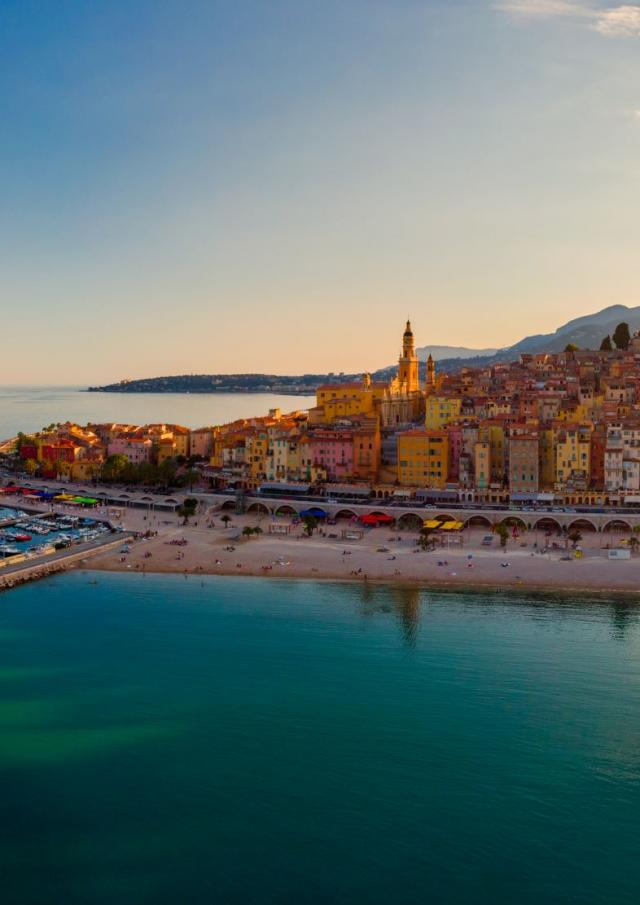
(274, 186)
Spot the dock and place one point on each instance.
(21, 569)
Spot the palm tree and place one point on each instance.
(575, 537)
(225, 519)
(63, 469)
(310, 523)
(503, 533)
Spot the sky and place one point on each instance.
(275, 185)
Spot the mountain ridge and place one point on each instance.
(586, 331)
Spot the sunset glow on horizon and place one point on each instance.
(220, 187)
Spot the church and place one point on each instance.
(404, 400)
(396, 403)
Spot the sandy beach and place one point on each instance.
(206, 546)
(383, 554)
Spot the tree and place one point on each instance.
(621, 336)
(114, 467)
(167, 472)
(31, 466)
(426, 540)
(605, 345)
(225, 519)
(63, 469)
(310, 523)
(633, 543)
(191, 477)
(188, 509)
(571, 347)
(503, 533)
(575, 537)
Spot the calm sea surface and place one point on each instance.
(165, 740)
(32, 408)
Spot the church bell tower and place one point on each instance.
(408, 363)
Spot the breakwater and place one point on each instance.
(45, 567)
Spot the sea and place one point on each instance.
(32, 408)
(235, 740)
(238, 740)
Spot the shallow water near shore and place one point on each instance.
(241, 740)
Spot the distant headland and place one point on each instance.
(301, 385)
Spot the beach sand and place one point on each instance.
(322, 557)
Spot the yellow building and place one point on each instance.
(84, 469)
(573, 454)
(343, 400)
(423, 458)
(492, 432)
(396, 402)
(181, 437)
(403, 401)
(257, 449)
(283, 459)
(441, 410)
(165, 449)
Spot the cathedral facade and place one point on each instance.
(403, 402)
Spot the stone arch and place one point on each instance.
(445, 517)
(478, 521)
(514, 521)
(546, 523)
(229, 504)
(345, 513)
(377, 512)
(582, 524)
(285, 510)
(410, 521)
(617, 524)
(260, 508)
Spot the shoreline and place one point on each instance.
(425, 584)
(207, 545)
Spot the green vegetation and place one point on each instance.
(575, 537)
(503, 533)
(223, 383)
(30, 466)
(606, 345)
(188, 509)
(622, 336)
(426, 540)
(310, 523)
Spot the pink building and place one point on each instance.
(136, 449)
(331, 450)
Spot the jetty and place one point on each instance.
(22, 569)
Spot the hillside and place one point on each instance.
(585, 332)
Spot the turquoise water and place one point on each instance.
(236, 741)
